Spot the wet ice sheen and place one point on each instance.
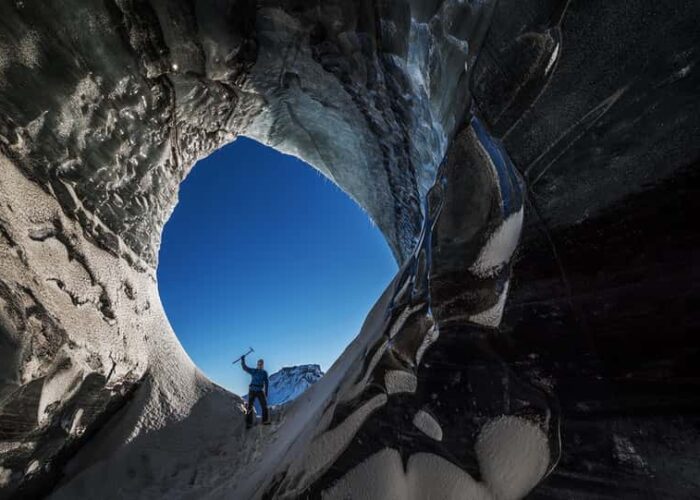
(513, 452)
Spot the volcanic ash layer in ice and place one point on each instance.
(531, 164)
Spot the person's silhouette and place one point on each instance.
(256, 390)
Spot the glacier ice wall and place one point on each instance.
(531, 164)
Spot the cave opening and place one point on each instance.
(263, 251)
(515, 334)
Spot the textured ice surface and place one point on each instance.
(564, 138)
(385, 475)
(513, 456)
(400, 381)
(5, 475)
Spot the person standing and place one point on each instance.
(257, 390)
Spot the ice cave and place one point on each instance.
(533, 166)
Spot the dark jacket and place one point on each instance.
(259, 380)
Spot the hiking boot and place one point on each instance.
(267, 423)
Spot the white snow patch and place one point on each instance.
(58, 388)
(28, 50)
(76, 111)
(34, 127)
(513, 456)
(360, 386)
(430, 337)
(401, 320)
(500, 246)
(33, 467)
(431, 476)
(428, 425)
(404, 288)
(382, 474)
(5, 476)
(76, 429)
(426, 476)
(683, 72)
(17, 446)
(626, 454)
(492, 316)
(397, 381)
(326, 448)
(552, 59)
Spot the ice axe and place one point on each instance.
(250, 349)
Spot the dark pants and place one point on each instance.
(250, 408)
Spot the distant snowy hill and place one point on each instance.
(290, 382)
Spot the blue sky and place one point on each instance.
(263, 251)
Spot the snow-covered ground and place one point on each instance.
(209, 453)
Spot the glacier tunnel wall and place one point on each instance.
(461, 128)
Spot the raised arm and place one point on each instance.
(244, 366)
